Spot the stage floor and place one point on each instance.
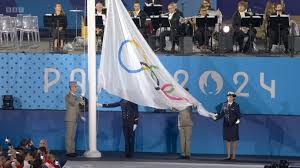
(132, 164)
(162, 160)
(43, 47)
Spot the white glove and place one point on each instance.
(213, 116)
(134, 127)
(83, 119)
(99, 105)
(237, 121)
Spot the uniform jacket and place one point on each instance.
(72, 105)
(230, 113)
(130, 114)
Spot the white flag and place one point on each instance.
(130, 69)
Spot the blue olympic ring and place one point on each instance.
(121, 62)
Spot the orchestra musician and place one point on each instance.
(59, 32)
(240, 33)
(172, 32)
(212, 12)
(269, 10)
(176, 8)
(202, 34)
(277, 38)
(142, 15)
(99, 11)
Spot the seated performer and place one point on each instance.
(130, 117)
(59, 31)
(153, 2)
(174, 28)
(202, 34)
(277, 38)
(138, 13)
(240, 33)
(100, 12)
(269, 10)
(177, 10)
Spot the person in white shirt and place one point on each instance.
(100, 12)
(174, 18)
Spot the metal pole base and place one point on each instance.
(92, 154)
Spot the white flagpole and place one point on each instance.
(92, 152)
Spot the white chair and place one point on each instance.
(30, 27)
(8, 29)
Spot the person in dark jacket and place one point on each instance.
(130, 117)
(175, 26)
(59, 31)
(230, 111)
(142, 15)
(281, 38)
(240, 33)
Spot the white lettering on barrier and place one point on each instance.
(82, 84)
(185, 74)
(213, 76)
(48, 84)
(203, 81)
(271, 88)
(243, 85)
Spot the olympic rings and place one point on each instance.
(167, 89)
(120, 58)
(171, 89)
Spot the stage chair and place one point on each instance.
(8, 29)
(30, 27)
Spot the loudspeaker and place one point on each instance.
(186, 45)
(152, 42)
(294, 42)
(226, 42)
(8, 102)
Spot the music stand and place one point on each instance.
(76, 11)
(251, 22)
(52, 22)
(206, 22)
(278, 23)
(137, 22)
(159, 22)
(153, 10)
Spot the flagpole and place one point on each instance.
(92, 152)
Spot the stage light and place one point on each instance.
(8, 102)
(226, 29)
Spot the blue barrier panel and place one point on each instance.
(264, 85)
(157, 132)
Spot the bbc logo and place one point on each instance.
(14, 9)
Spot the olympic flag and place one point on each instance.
(130, 69)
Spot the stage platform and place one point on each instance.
(163, 160)
(43, 48)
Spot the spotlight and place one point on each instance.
(8, 102)
(226, 29)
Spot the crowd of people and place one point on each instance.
(27, 155)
